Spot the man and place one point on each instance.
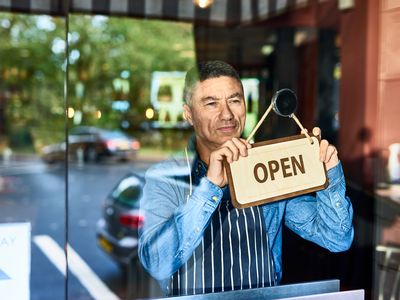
(193, 240)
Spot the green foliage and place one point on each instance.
(109, 59)
(126, 49)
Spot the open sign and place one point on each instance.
(275, 170)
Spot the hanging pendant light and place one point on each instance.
(203, 3)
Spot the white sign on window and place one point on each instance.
(15, 260)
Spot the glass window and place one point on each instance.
(32, 136)
(118, 129)
(85, 114)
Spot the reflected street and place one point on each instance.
(31, 191)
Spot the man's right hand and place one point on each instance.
(231, 150)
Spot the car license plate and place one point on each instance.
(123, 146)
(106, 245)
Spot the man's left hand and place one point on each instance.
(327, 152)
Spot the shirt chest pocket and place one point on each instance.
(271, 218)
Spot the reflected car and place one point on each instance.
(118, 228)
(93, 144)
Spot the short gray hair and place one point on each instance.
(206, 70)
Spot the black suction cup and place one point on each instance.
(284, 102)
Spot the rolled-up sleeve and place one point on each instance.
(174, 222)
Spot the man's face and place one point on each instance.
(217, 111)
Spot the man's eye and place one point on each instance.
(211, 103)
(235, 100)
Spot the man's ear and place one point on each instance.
(187, 113)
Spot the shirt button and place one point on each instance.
(337, 204)
(215, 198)
(197, 229)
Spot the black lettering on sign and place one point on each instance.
(297, 164)
(273, 166)
(287, 166)
(263, 169)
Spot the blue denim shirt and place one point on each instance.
(178, 207)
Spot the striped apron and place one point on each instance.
(234, 254)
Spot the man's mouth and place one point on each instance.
(227, 128)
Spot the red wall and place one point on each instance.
(370, 88)
(359, 135)
(389, 73)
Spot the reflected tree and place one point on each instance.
(110, 59)
(31, 76)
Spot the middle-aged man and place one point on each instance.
(193, 240)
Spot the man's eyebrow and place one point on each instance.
(236, 95)
(214, 98)
(208, 98)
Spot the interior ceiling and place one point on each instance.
(241, 47)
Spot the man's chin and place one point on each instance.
(228, 136)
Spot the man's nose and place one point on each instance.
(226, 112)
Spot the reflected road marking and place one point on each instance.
(78, 267)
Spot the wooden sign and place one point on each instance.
(276, 170)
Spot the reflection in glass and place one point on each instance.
(32, 52)
(113, 63)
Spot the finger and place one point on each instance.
(323, 147)
(233, 148)
(221, 154)
(316, 132)
(331, 151)
(248, 145)
(241, 146)
(225, 152)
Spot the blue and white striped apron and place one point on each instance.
(234, 254)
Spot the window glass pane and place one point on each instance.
(75, 170)
(32, 174)
(125, 102)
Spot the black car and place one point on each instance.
(117, 230)
(92, 144)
